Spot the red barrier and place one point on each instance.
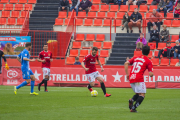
(112, 77)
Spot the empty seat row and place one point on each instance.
(106, 45)
(164, 62)
(90, 37)
(12, 21)
(162, 45)
(71, 60)
(17, 7)
(18, 1)
(14, 14)
(75, 53)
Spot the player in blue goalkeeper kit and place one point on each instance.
(24, 59)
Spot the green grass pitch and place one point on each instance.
(76, 103)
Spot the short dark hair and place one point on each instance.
(145, 50)
(77, 58)
(45, 44)
(28, 44)
(168, 43)
(95, 48)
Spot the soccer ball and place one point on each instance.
(94, 93)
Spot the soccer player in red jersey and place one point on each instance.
(45, 57)
(136, 79)
(91, 71)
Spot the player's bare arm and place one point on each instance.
(30, 60)
(126, 64)
(99, 62)
(18, 59)
(39, 60)
(82, 64)
(51, 59)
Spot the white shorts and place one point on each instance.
(46, 71)
(92, 76)
(139, 87)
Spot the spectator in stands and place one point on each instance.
(75, 4)
(141, 41)
(77, 61)
(176, 49)
(130, 2)
(85, 5)
(164, 34)
(156, 20)
(169, 5)
(64, 5)
(165, 6)
(166, 51)
(107, 1)
(155, 2)
(120, 2)
(154, 35)
(177, 10)
(125, 21)
(135, 20)
(139, 2)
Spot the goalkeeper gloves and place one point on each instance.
(6, 67)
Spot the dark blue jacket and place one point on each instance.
(77, 63)
(85, 5)
(170, 6)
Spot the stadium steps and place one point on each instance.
(124, 46)
(44, 15)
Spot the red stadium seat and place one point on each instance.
(123, 8)
(70, 60)
(155, 61)
(156, 53)
(149, 2)
(81, 14)
(175, 23)
(88, 22)
(92, 14)
(22, 1)
(5, 14)
(130, 13)
(167, 23)
(101, 14)
(98, 22)
(131, 9)
(8, 7)
(173, 44)
(173, 62)
(79, 22)
(76, 45)
(150, 54)
(24, 14)
(96, 1)
(80, 37)
(114, 8)
(83, 53)
(28, 7)
(32, 1)
(170, 15)
(100, 37)
(137, 53)
(95, 8)
(58, 21)
(107, 45)
(164, 62)
(1, 7)
(111, 14)
(2, 21)
(97, 44)
(174, 38)
(152, 45)
(104, 8)
(102, 60)
(20, 21)
(143, 8)
(104, 53)
(162, 14)
(11, 21)
(148, 15)
(118, 22)
(142, 15)
(4, 1)
(107, 22)
(120, 15)
(14, 14)
(62, 15)
(151, 7)
(18, 7)
(73, 53)
(13, 1)
(66, 21)
(81, 59)
(90, 37)
(161, 46)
